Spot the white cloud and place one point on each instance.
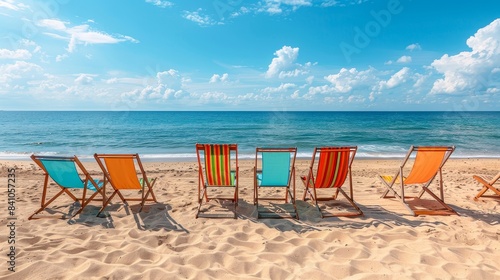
(395, 80)
(61, 57)
(197, 17)
(329, 3)
(84, 79)
(281, 88)
(345, 81)
(219, 78)
(404, 59)
(80, 34)
(215, 95)
(16, 54)
(285, 57)
(12, 5)
(414, 47)
(493, 90)
(276, 6)
(160, 3)
(18, 70)
(471, 70)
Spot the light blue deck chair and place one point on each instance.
(63, 171)
(276, 170)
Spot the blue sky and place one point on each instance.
(250, 55)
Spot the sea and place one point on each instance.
(171, 136)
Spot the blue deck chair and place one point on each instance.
(277, 171)
(63, 171)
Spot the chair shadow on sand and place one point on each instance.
(374, 215)
(489, 218)
(153, 217)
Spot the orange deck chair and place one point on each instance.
(276, 170)
(215, 172)
(428, 163)
(332, 169)
(120, 172)
(488, 186)
(63, 171)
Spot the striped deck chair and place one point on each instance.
(121, 173)
(215, 172)
(428, 163)
(333, 168)
(488, 186)
(63, 171)
(277, 171)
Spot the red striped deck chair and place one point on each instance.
(275, 170)
(428, 163)
(64, 173)
(332, 169)
(121, 173)
(214, 161)
(488, 185)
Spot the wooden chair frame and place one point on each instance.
(203, 185)
(291, 181)
(487, 186)
(146, 186)
(447, 210)
(88, 179)
(309, 182)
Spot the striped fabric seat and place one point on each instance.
(215, 171)
(332, 170)
(218, 165)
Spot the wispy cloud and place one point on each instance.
(404, 59)
(281, 88)
(19, 54)
(279, 6)
(414, 47)
(80, 34)
(160, 3)
(200, 18)
(12, 5)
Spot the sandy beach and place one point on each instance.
(165, 241)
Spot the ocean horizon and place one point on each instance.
(172, 135)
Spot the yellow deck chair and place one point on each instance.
(63, 171)
(428, 163)
(332, 169)
(488, 186)
(215, 172)
(120, 172)
(275, 170)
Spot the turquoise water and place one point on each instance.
(172, 135)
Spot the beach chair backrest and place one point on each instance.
(63, 172)
(218, 165)
(333, 167)
(122, 172)
(427, 163)
(275, 168)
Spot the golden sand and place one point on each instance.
(165, 241)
